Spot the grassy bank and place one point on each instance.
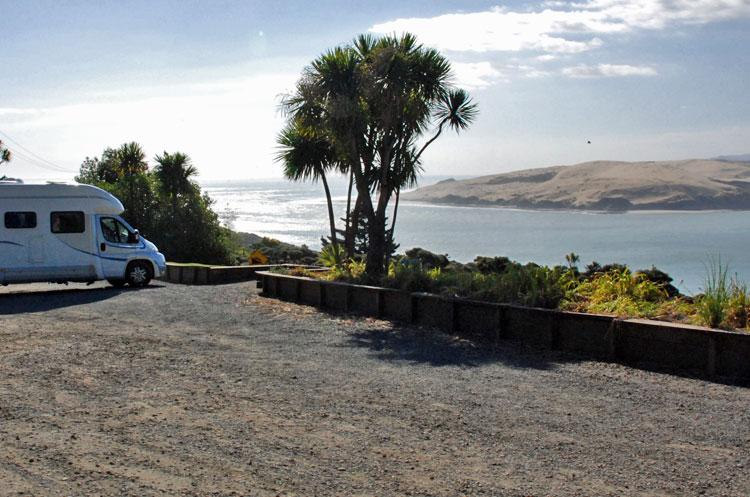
(612, 289)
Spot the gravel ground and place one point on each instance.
(178, 390)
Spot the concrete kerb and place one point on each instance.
(632, 341)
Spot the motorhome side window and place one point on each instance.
(20, 220)
(115, 232)
(67, 222)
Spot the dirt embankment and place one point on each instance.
(177, 390)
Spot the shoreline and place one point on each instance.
(492, 205)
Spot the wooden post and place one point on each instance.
(379, 301)
(501, 324)
(413, 313)
(711, 357)
(554, 327)
(452, 316)
(612, 336)
(322, 294)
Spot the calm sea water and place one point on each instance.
(679, 243)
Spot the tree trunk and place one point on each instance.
(331, 219)
(348, 236)
(378, 248)
(375, 236)
(374, 259)
(392, 230)
(351, 235)
(174, 210)
(135, 209)
(429, 142)
(375, 262)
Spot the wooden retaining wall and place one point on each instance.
(214, 275)
(632, 341)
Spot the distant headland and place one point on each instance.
(698, 184)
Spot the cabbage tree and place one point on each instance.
(379, 103)
(5, 154)
(305, 156)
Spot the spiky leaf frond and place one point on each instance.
(304, 155)
(457, 109)
(175, 173)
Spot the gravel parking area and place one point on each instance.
(179, 390)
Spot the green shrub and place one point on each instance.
(279, 252)
(677, 310)
(617, 292)
(409, 277)
(595, 269)
(298, 271)
(661, 278)
(713, 304)
(332, 256)
(489, 265)
(738, 305)
(426, 258)
(530, 285)
(352, 271)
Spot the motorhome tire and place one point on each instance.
(139, 273)
(117, 283)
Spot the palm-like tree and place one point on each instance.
(174, 173)
(5, 154)
(132, 159)
(454, 109)
(372, 102)
(305, 156)
(131, 164)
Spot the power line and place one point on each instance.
(33, 158)
(31, 153)
(17, 154)
(25, 159)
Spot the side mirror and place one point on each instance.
(137, 235)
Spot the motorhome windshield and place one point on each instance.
(114, 230)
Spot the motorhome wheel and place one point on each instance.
(139, 274)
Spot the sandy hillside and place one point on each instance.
(605, 185)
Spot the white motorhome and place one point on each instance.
(61, 232)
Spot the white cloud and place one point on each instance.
(607, 71)
(475, 75)
(559, 27)
(480, 75)
(494, 30)
(228, 127)
(656, 14)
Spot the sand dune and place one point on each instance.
(604, 185)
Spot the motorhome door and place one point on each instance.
(116, 244)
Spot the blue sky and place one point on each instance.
(642, 80)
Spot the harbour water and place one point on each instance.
(680, 243)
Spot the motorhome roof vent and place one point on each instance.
(12, 181)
